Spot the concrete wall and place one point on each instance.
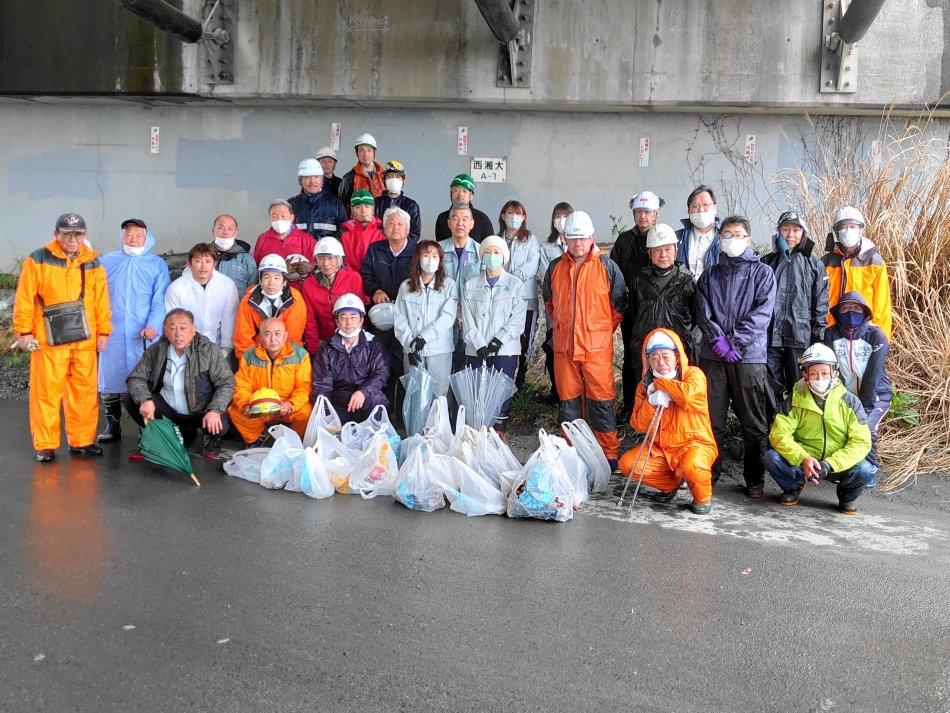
(95, 159)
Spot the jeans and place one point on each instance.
(850, 482)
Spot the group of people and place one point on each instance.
(342, 295)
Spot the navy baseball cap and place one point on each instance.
(71, 223)
(134, 221)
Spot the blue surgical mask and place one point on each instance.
(851, 320)
(492, 261)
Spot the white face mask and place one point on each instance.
(514, 221)
(702, 220)
(224, 243)
(133, 251)
(281, 226)
(733, 247)
(820, 387)
(675, 374)
(849, 237)
(394, 185)
(348, 335)
(429, 265)
(559, 224)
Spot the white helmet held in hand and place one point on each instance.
(329, 247)
(381, 315)
(365, 140)
(309, 167)
(661, 234)
(349, 301)
(850, 215)
(273, 262)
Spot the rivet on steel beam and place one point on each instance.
(504, 77)
(830, 66)
(829, 83)
(521, 78)
(831, 22)
(847, 69)
(831, 6)
(847, 84)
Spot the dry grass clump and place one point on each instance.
(905, 198)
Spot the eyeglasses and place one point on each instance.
(701, 207)
(734, 236)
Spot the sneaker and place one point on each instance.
(212, 446)
(614, 466)
(755, 491)
(662, 497)
(256, 444)
(45, 455)
(91, 450)
(847, 508)
(790, 497)
(701, 508)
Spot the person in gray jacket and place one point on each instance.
(493, 316)
(424, 313)
(182, 377)
(523, 264)
(461, 264)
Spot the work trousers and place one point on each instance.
(187, 423)
(251, 427)
(632, 372)
(664, 468)
(527, 342)
(67, 378)
(743, 386)
(850, 482)
(587, 389)
(549, 362)
(874, 417)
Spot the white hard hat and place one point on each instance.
(273, 262)
(818, 354)
(381, 315)
(660, 340)
(646, 200)
(309, 167)
(579, 225)
(661, 234)
(326, 152)
(365, 140)
(329, 247)
(349, 301)
(849, 214)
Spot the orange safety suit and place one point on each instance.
(66, 374)
(685, 448)
(247, 325)
(865, 273)
(289, 375)
(585, 303)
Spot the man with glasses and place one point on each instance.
(698, 247)
(736, 299)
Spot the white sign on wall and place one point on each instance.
(154, 143)
(750, 148)
(644, 153)
(463, 141)
(335, 136)
(489, 169)
(875, 152)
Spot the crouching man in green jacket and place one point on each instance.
(821, 432)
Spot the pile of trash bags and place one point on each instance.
(473, 471)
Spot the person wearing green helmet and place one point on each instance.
(462, 190)
(362, 230)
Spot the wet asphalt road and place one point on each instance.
(244, 599)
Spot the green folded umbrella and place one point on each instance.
(162, 444)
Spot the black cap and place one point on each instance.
(134, 221)
(71, 223)
(791, 216)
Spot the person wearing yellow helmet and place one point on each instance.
(394, 176)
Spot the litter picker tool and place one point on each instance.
(643, 455)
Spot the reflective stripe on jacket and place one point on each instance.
(319, 214)
(289, 375)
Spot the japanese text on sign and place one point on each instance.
(489, 170)
(644, 153)
(750, 148)
(154, 143)
(335, 136)
(463, 141)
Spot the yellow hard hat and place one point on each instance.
(265, 402)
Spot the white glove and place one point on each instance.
(660, 398)
(226, 352)
(651, 389)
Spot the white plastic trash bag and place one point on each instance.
(376, 472)
(277, 468)
(356, 436)
(323, 416)
(416, 486)
(439, 425)
(570, 462)
(585, 443)
(339, 461)
(542, 489)
(247, 464)
(495, 460)
(313, 478)
(469, 492)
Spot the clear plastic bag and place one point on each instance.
(323, 416)
(376, 473)
(338, 460)
(585, 443)
(416, 486)
(570, 462)
(469, 492)
(542, 489)
(495, 459)
(277, 468)
(439, 426)
(356, 436)
(313, 477)
(247, 464)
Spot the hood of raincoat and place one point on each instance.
(852, 296)
(680, 350)
(149, 243)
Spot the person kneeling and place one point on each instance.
(275, 364)
(821, 432)
(183, 377)
(684, 448)
(351, 368)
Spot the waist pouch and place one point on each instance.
(67, 322)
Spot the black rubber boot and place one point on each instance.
(113, 432)
(501, 423)
(522, 373)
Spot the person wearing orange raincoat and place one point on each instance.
(272, 297)
(63, 270)
(684, 448)
(585, 296)
(279, 364)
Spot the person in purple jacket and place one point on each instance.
(736, 299)
(351, 368)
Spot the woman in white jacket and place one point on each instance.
(493, 316)
(424, 314)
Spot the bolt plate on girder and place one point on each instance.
(839, 65)
(518, 76)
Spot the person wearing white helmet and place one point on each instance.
(821, 433)
(585, 296)
(366, 175)
(331, 182)
(273, 297)
(332, 279)
(661, 295)
(316, 211)
(853, 263)
(351, 368)
(630, 254)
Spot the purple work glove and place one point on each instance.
(720, 346)
(732, 356)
